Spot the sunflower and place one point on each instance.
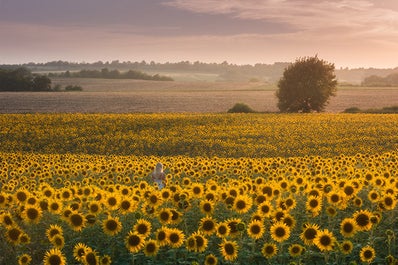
(134, 241)
(24, 238)
(94, 207)
(388, 201)
(362, 220)
(206, 207)
(280, 231)
(296, 250)
(207, 225)
(151, 248)
(54, 256)
(164, 216)
(58, 241)
(255, 229)
(6, 220)
(91, 258)
(367, 254)
(126, 205)
(309, 233)
(176, 217)
(197, 190)
(12, 234)
(53, 230)
(21, 195)
(24, 259)
(210, 259)
(229, 250)
(32, 214)
(54, 207)
(331, 211)
(348, 227)
(143, 227)
(3, 199)
(242, 204)
(112, 226)
(175, 237)
(373, 196)
(265, 209)
(196, 242)
(77, 221)
(324, 240)
(105, 260)
(269, 250)
(112, 201)
(222, 229)
(154, 198)
(161, 236)
(346, 247)
(314, 205)
(233, 226)
(79, 250)
(289, 221)
(165, 194)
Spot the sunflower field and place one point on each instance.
(240, 189)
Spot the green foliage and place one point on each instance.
(73, 88)
(375, 80)
(385, 110)
(306, 85)
(112, 74)
(352, 110)
(241, 108)
(21, 79)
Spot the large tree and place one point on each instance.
(306, 85)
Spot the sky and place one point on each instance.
(348, 33)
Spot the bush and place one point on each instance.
(240, 108)
(73, 88)
(352, 110)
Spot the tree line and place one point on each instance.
(111, 74)
(22, 79)
(375, 80)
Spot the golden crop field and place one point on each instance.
(240, 189)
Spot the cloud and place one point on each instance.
(360, 16)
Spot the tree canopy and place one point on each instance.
(306, 85)
(21, 79)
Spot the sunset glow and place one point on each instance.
(349, 33)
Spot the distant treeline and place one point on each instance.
(375, 80)
(226, 71)
(22, 79)
(111, 74)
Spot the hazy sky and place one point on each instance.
(348, 33)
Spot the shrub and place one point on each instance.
(240, 108)
(73, 88)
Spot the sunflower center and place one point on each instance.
(348, 227)
(255, 229)
(229, 249)
(150, 247)
(310, 233)
(54, 260)
(325, 240)
(174, 238)
(362, 220)
(111, 225)
(199, 241)
(280, 232)
(76, 220)
(134, 240)
(208, 225)
(91, 259)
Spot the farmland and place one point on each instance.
(126, 96)
(263, 188)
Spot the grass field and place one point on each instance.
(240, 188)
(125, 96)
